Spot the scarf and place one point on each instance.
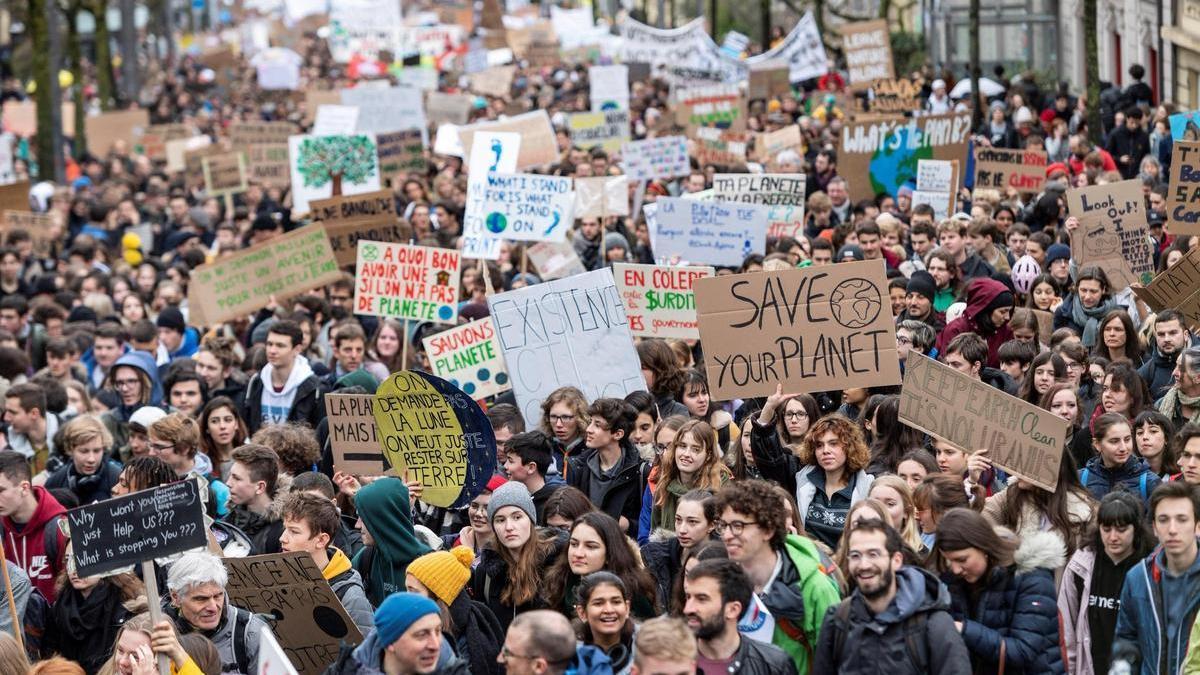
(1089, 319)
(664, 516)
(1174, 400)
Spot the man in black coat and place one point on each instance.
(1129, 143)
(895, 609)
(286, 390)
(609, 471)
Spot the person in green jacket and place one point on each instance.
(791, 577)
(385, 514)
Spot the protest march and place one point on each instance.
(411, 338)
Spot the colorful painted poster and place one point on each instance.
(528, 206)
(468, 357)
(661, 157)
(331, 166)
(411, 283)
(659, 300)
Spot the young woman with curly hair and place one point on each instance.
(564, 419)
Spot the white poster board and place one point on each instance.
(716, 233)
(491, 151)
(528, 206)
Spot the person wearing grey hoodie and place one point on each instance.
(286, 390)
(894, 610)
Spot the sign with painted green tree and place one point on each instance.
(331, 166)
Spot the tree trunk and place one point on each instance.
(39, 33)
(130, 85)
(75, 62)
(104, 74)
(336, 181)
(973, 30)
(1092, 64)
(766, 24)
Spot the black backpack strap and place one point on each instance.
(241, 621)
(914, 640)
(50, 542)
(841, 623)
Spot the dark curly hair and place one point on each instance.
(756, 499)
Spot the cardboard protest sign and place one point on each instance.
(659, 300)
(399, 281)
(719, 148)
(880, 155)
(331, 166)
(272, 660)
(1178, 288)
(241, 283)
(1001, 169)
(868, 49)
(609, 87)
(154, 139)
(538, 142)
(369, 216)
(555, 260)
(495, 82)
(812, 329)
(769, 82)
(721, 105)
(495, 151)
(443, 108)
(267, 164)
(941, 202)
(772, 143)
(178, 149)
(936, 176)
(256, 133)
(15, 196)
(107, 128)
(468, 357)
(126, 530)
(1112, 231)
(305, 614)
(661, 157)
(601, 196)
(608, 129)
(352, 434)
(570, 331)
(782, 193)
(39, 226)
(709, 232)
(895, 96)
(224, 174)
(528, 206)
(334, 120)
(1021, 438)
(400, 153)
(315, 98)
(434, 433)
(1183, 197)
(382, 109)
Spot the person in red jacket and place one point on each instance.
(989, 308)
(29, 515)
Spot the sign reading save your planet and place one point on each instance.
(434, 433)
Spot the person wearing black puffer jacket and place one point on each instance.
(1002, 595)
(609, 471)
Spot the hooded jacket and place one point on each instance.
(367, 659)
(798, 599)
(1135, 474)
(117, 419)
(490, 576)
(384, 508)
(264, 530)
(980, 294)
(300, 400)
(869, 640)
(1158, 375)
(622, 495)
(1016, 604)
(1142, 623)
(25, 544)
(235, 637)
(92, 488)
(348, 586)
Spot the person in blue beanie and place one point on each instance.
(407, 640)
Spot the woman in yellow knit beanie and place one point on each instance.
(442, 577)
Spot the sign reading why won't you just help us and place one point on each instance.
(813, 329)
(1021, 438)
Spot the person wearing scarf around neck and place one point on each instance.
(1084, 308)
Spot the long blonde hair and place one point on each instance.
(908, 532)
(711, 475)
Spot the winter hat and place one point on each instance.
(616, 240)
(495, 482)
(444, 573)
(1057, 252)
(905, 190)
(145, 416)
(938, 84)
(1023, 116)
(515, 494)
(171, 317)
(1004, 299)
(474, 311)
(1024, 271)
(849, 250)
(1055, 168)
(922, 282)
(398, 612)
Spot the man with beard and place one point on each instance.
(894, 609)
(1170, 337)
(716, 594)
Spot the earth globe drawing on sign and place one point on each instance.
(855, 303)
(896, 163)
(495, 222)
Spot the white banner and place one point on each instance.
(528, 206)
(662, 157)
(802, 49)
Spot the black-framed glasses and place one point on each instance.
(561, 419)
(734, 526)
(507, 654)
(795, 415)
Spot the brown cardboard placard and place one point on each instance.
(154, 140)
(999, 168)
(371, 216)
(1021, 438)
(812, 329)
(38, 225)
(400, 153)
(20, 118)
(723, 148)
(1183, 196)
(770, 82)
(772, 143)
(244, 282)
(255, 133)
(538, 142)
(495, 81)
(1112, 232)
(862, 143)
(316, 98)
(1177, 287)
(120, 125)
(868, 49)
(310, 622)
(15, 196)
(193, 161)
(352, 435)
(224, 174)
(442, 108)
(894, 97)
(721, 106)
(268, 164)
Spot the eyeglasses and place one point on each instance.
(734, 526)
(163, 447)
(795, 415)
(660, 448)
(124, 384)
(561, 419)
(902, 340)
(507, 654)
(1074, 366)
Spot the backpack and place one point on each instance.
(1083, 478)
(33, 623)
(914, 635)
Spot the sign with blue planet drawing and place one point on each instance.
(416, 283)
(469, 358)
(528, 207)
